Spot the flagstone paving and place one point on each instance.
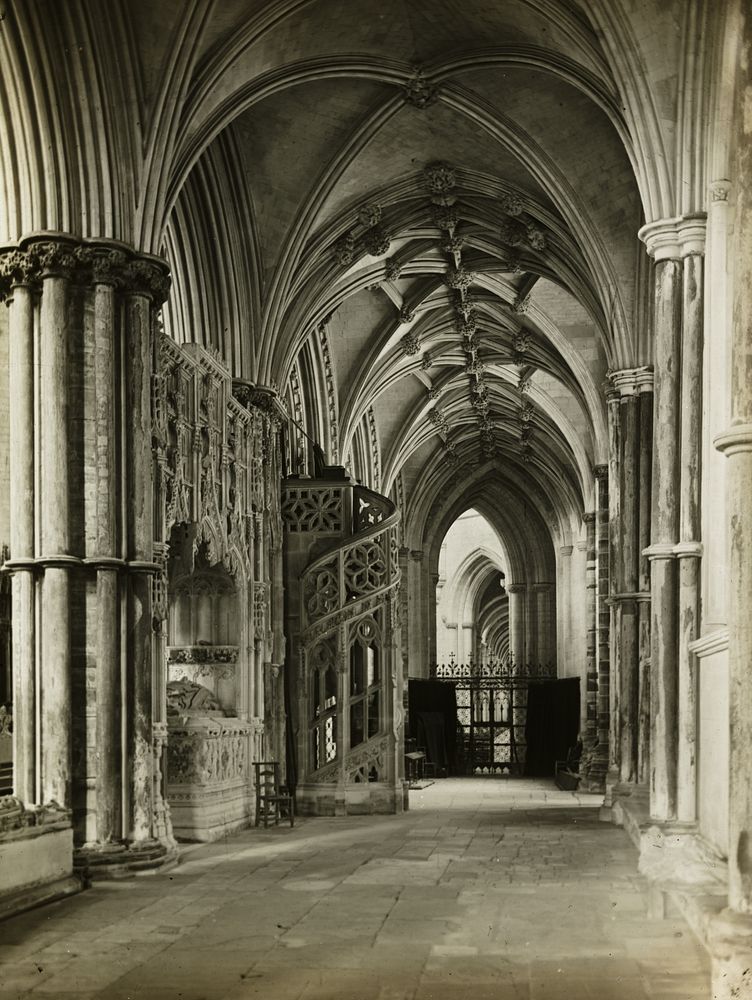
(510, 890)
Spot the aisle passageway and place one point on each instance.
(511, 890)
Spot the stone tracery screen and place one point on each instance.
(348, 615)
(365, 681)
(323, 703)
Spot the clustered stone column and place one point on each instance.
(19, 274)
(630, 403)
(81, 435)
(677, 246)
(590, 735)
(601, 754)
(731, 934)
(598, 668)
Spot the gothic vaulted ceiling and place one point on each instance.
(422, 212)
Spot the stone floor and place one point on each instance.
(496, 889)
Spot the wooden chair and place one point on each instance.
(566, 772)
(273, 800)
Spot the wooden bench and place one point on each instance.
(273, 800)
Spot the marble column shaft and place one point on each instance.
(629, 533)
(689, 549)
(22, 500)
(736, 443)
(55, 656)
(615, 563)
(140, 536)
(665, 519)
(627, 583)
(591, 682)
(645, 479)
(731, 932)
(603, 614)
(108, 725)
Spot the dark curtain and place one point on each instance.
(432, 720)
(553, 722)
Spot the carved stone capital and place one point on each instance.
(667, 239)
(17, 268)
(107, 267)
(630, 381)
(106, 262)
(147, 276)
(54, 258)
(719, 191)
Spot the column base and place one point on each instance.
(730, 945)
(101, 861)
(675, 856)
(593, 769)
(630, 809)
(109, 862)
(612, 781)
(684, 873)
(150, 855)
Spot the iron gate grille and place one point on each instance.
(491, 713)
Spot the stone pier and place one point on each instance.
(81, 308)
(731, 933)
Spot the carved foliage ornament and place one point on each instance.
(459, 277)
(439, 178)
(418, 91)
(410, 344)
(445, 217)
(511, 204)
(377, 242)
(369, 216)
(344, 250)
(392, 269)
(86, 264)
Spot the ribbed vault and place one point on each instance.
(417, 220)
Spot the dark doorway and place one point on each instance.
(553, 721)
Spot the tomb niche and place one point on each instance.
(210, 747)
